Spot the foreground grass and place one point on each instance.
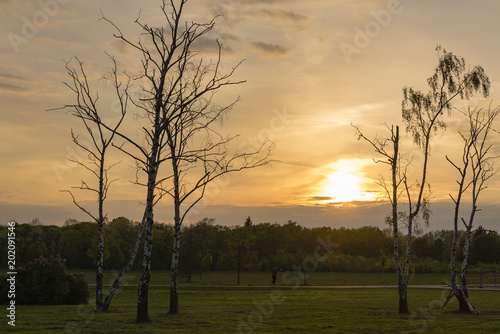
(206, 309)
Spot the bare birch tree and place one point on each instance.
(463, 185)
(198, 153)
(101, 135)
(476, 159)
(393, 191)
(177, 101)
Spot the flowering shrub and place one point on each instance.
(78, 289)
(45, 281)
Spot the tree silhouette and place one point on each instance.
(176, 101)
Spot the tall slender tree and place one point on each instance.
(101, 133)
(198, 153)
(178, 87)
(392, 157)
(477, 161)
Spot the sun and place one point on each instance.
(346, 183)
(343, 187)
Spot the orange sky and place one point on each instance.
(312, 68)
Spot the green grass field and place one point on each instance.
(260, 278)
(205, 308)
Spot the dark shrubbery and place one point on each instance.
(45, 281)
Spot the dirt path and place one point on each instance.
(442, 286)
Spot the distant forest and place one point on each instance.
(206, 246)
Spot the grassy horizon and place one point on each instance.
(262, 278)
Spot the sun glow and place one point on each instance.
(346, 183)
(343, 187)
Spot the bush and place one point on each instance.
(45, 281)
(78, 289)
(352, 263)
(429, 265)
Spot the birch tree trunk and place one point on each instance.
(116, 283)
(100, 246)
(174, 271)
(462, 187)
(458, 292)
(463, 294)
(403, 298)
(142, 300)
(453, 279)
(465, 262)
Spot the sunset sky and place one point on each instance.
(311, 68)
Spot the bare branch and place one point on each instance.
(79, 206)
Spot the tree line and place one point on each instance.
(209, 246)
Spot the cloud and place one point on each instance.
(13, 88)
(283, 15)
(270, 49)
(12, 76)
(229, 38)
(236, 12)
(14, 83)
(271, 2)
(209, 45)
(320, 198)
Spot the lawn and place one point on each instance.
(257, 309)
(268, 310)
(260, 278)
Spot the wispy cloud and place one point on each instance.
(320, 198)
(283, 15)
(12, 76)
(208, 44)
(270, 49)
(13, 88)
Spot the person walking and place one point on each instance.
(274, 273)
